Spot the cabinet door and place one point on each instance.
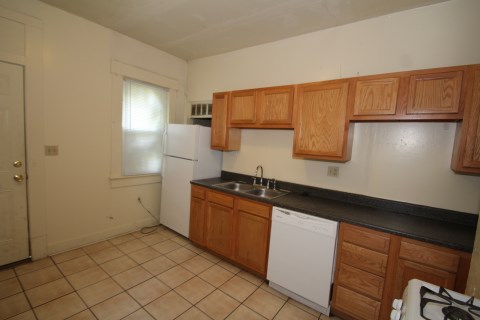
(356, 305)
(223, 137)
(242, 107)
(275, 107)
(321, 130)
(407, 270)
(219, 229)
(376, 96)
(435, 92)
(251, 243)
(197, 221)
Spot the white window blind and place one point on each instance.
(144, 120)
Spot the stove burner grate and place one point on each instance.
(450, 311)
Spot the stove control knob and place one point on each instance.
(397, 304)
(395, 315)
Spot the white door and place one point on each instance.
(13, 191)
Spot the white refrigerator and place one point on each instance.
(187, 156)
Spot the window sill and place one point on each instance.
(120, 182)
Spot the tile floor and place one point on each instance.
(137, 276)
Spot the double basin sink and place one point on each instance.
(257, 191)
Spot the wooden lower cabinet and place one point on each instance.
(233, 227)
(374, 267)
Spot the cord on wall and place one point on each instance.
(150, 229)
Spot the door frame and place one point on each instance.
(32, 62)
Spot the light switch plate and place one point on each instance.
(51, 150)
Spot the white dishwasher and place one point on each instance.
(302, 257)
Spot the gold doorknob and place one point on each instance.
(17, 164)
(18, 177)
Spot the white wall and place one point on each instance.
(401, 161)
(80, 204)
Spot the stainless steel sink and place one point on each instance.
(256, 191)
(236, 186)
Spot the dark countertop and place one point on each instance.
(458, 233)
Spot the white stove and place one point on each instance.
(423, 300)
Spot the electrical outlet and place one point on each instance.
(51, 150)
(333, 171)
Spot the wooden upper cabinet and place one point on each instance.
(321, 125)
(243, 107)
(223, 137)
(275, 106)
(376, 96)
(466, 155)
(435, 92)
(262, 108)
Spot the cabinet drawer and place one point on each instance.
(366, 238)
(365, 282)
(255, 208)
(357, 305)
(364, 259)
(220, 198)
(429, 256)
(198, 192)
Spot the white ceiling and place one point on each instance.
(192, 29)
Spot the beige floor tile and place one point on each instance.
(39, 277)
(304, 307)
(33, 266)
(148, 291)
(194, 248)
(166, 246)
(76, 265)
(250, 277)
(99, 292)
(168, 306)
(139, 234)
(61, 308)
(99, 246)
(132, 277)
(48, 292)
(230, 267)
(115, 308)
(324, 317)
(194, 290)
(243, 313)
(144, 255)
(121, 239)
(210, 257)
(106, 255)
(197, 264)
(175, 276)
(131, 246)
(69, 255)
(168, 233)
(194, 314)
(84, 315)
(181, 240)
(180, 255)
(216, 275)
(159, 265)
(87, 277)
(6, 274)
(9, 287)
(238, 288)
(218, 305)
(13, 306)
(153, 238)
(118, 265)
(289, 311)
(269, 289)
(28, 315)
(264, 303)
(140, 314)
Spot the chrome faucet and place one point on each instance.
(256, 175)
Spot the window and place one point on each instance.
(144, 119)
(143, 102)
